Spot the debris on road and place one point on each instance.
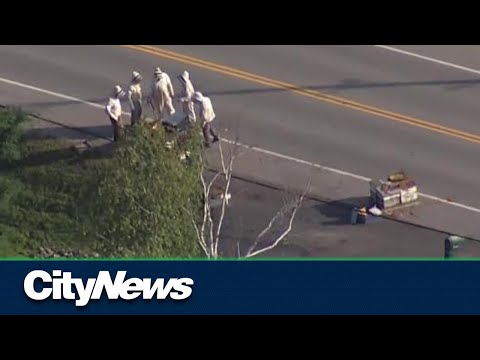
(386, 196)
(217, 196)
(359, 216)
(452, 244)
(375, 211)
(397, 176)
(398, 190)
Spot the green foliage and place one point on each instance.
(41, 195)
(11, 239)
(143, 205)
(137, 202)
(11, 133)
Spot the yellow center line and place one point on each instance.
(226, 70)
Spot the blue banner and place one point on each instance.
(239, 287)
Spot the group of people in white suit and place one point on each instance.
(161, 99)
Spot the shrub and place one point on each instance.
(12, 121)
(142, 206)
(139, 202)
(40, 197)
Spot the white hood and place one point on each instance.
(198, 96)
(185, 76)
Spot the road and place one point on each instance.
(323, 230)
(433, 132)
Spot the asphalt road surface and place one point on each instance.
(323, 230)
(364, 110)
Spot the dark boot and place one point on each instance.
(213, 133)
(115, 128)
(206, 135)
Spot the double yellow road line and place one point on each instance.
(226, 70)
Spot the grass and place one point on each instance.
(41, 195)
(55, 200)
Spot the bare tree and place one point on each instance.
(279, 226)
(209, 231)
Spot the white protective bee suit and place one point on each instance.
(135, 97)
(207, 115)
(186, 96)
(162, 94)
(113, 108)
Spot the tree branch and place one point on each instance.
(211, 183)
(222, 159)
(281, 213)
(142, 208)
(208, 209)
(205, 205)
(225, 200)
(292, 206)
(200, 238)
(212, 239)
(212, 247)
(238, 249)
(252, 253)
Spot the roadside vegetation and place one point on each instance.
(134, 201)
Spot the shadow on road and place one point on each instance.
(339, 212)
(46, 104)
(287, 251)
(68, 154)
(81, 133)
(347, 84)
(354, 84)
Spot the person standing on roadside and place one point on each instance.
(207, 115)
(114, 111)
(162, 94)
(186, 96)
(135, 97)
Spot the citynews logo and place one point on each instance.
(60, 285)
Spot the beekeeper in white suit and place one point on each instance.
(207, 114)
(186, 96)
(162, 94)
(135, 97)
(114, 110)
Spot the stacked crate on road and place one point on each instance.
(391, 194)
